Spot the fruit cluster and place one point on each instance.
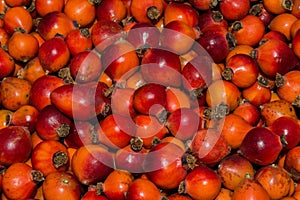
(153, 99)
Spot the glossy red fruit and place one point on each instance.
(234, 129)
(283, 23)
(238, 49)
(41, 90)
(35, 140)
(217, 41)
(258, 93)
(143, 189)
(161, 66)
(210, 17)
(197, 75)
(223, 96)
(12, 3)
(203, 5)
(270, 35)
(288, 129)
(201, 178)
(115, 131)
(234, 9)
(120, 60)
(178, 37)
(295, 9)
(183, 123)
(176, 196)
(5, 118)
(81, 101)
(55, 23)
(143, 36)
(7, 64)
(44, 7)
(149, 129)
(59, 185)
(291, 163)
(169, 161)
(276, 181)
(116, 184)
(249, 112)
(233, 169)
(224, 194)
(22, 46)
(150, 11)
(50, 156)
(248, 189)
(279, 6)
(92, 194)
(17, 18)
(85, 66)
(130, 157)
(181, 144)
(3, 37)
(245, 32)
(183, 12)
(258, 9)
(274, 56)
(242, 70)
(296, 44)
(3, 7)
(111, 10)
(104, 33)
(16, 145)
(32, 70)
(14, 92)
(177, 98)
(25, 116)
(57, 58)
(92, 163)
(150, 99)
(127, 5)
(79, 40)
(82, 12)
(122, 101)
(1, 178)
(52, 124)
(209, 147)
(288, 86)
(275, 109)
(294, 28)
(20, 181)
(81, 133)
(206, 115)
(261, 146)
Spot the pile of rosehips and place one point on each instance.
(146, 100)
